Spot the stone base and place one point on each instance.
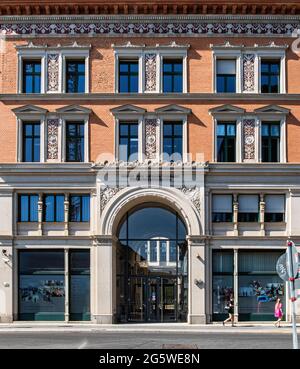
(6, 319)
(198, 319)
(103, 319)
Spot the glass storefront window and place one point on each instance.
(222, 282)
(79, 284)
(152, 266)
(259, 285)
(41, 285)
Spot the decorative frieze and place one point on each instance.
(249, 139)
(193, 194)
(159, 28)
(248, 73)
(52, 134)
(151, 138)
(150, 72)
(53, 73)
(106, 194)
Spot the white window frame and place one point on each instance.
(77, 117)
(31, 55)
(175, 118)
(137, 118)
(228, 55)
(21, 119)
(272, 55)
(173, 54)
(281, 119)
(66, 55)
(228, 118)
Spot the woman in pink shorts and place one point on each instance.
(278, 313)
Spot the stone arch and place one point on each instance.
(127, 199)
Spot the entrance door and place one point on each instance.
(152, 299)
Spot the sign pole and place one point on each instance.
(293, 298)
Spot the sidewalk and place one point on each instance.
(152, 327)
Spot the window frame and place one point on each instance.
(226, 75)
(173, 136)
(224, 54)
(76, 61)
(35, 61)
(55, 195)
(70, 205)
(130, 61)
(129, 136)
(275, 55)
(33, 123)
(31, 55)
(172, 74)
(212, 212)
(19, 208)
(77, 137)
(269, 124)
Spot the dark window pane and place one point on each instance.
(124, 85)
(167, 84)
(24, 208)
(167, 129)
(178, 129)
(60, 213)
(231, 84)
(34, 208)
(49, 208)
(31, 76)
(75, 208)
(128, 76)
(220, 84)
(85, 208)
(177, 84)
(75, 142)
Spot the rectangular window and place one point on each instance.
(75, 76)
(222, 208)
(226, 75)
(128, 141)
(79, 208)
(128, 76)
(31, 76)
(275, 208)
(173, 75)
(41, 285)
(79, 264)
(270, 142)
(75, 141)
(226, 142)
(270, 76)
(28, 208)
(54, 208)
(31, 142)
(222, 265)
(172, 141)
(248, 208)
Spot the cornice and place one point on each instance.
(136, 98)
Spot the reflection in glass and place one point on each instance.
(152, 266)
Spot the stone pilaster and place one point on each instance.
(66, 214)
(197, 281)
(235, 214)
(7, 266)
(262, 206)
(104, 280)
(40, 214)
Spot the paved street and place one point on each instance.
(145, 340)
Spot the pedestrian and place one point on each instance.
(230, 309)
(278, 313)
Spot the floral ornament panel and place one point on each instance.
(150, 72)
(52, 146)
(151, 138)
(249, 139)
(53, 72)
(248, 73)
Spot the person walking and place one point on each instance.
(278, 313)
(230, 309)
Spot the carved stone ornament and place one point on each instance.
(249, 139)
(150, 72)
(248, 73)
(53, 72)
(151, 138)
(106, 194)
(193, 193)
(52, 134)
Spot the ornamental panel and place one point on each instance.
(52, 134)
(53, 73)
(248, 73)
(151, 138)
(249, 139)
(150, 72)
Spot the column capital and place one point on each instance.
(196, 240)
(104, 240)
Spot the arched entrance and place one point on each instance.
(152, 266)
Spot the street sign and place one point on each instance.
(295, 256)
(281, 268)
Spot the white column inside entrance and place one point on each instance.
(104, 282)
(197, 281)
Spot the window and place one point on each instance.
(226, 142)
(172, 141)
(75, 142)
(172, 75)
(28, 208)
(31, 142)
(226, 75)
(270, 136)
(79, 208)
(54, 208)
(222, 208)
(248, 208)
(31, 76)
(275, 208)
(128, 76)
(270, 76)
(75, 76)
(128, 141)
